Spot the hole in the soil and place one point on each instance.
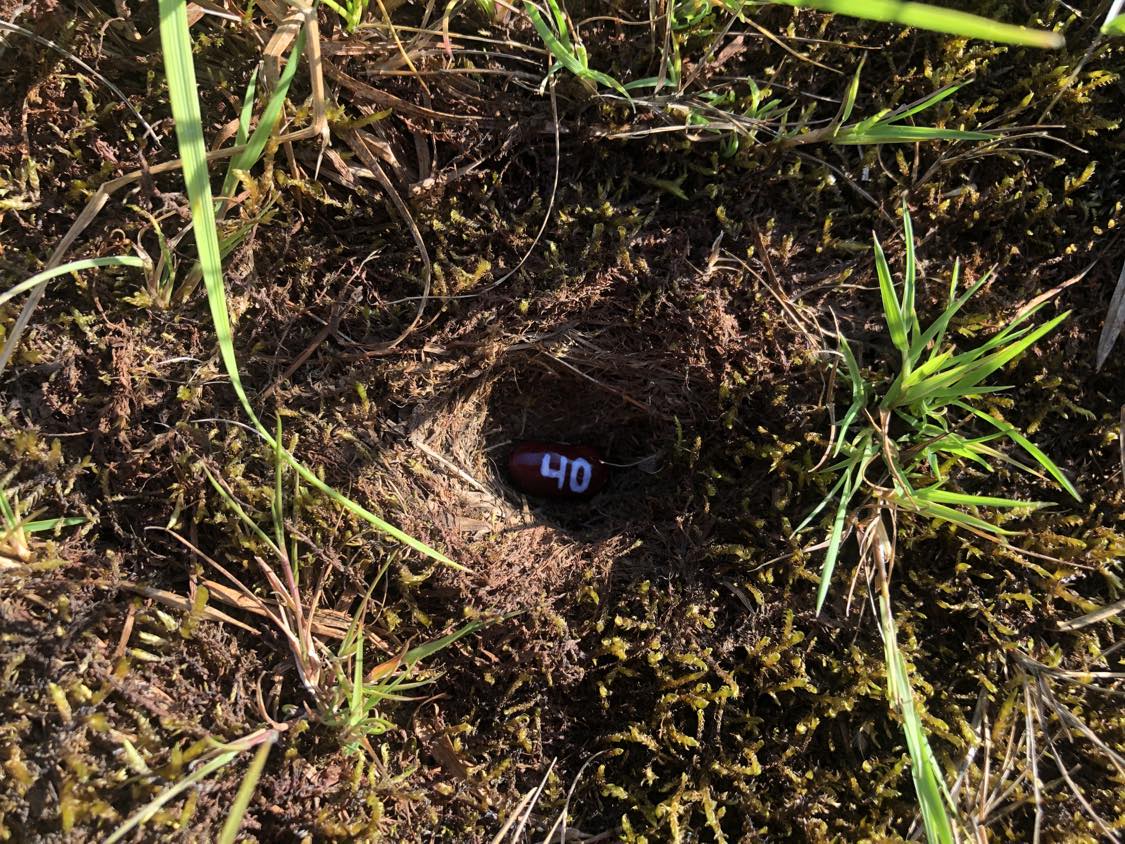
(538, 402)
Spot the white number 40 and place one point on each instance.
(580, 472)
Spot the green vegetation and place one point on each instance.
(15, 546)
(929, 399)
(184, 97)
(413, 234)
(929, 402)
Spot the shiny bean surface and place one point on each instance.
(557, 470)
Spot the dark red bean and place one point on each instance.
(556, 470)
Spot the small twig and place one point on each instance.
(357, 141)
(327, 331)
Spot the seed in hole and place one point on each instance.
(557, 470)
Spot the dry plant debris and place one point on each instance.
(449, 228)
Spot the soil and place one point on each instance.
(653, 656)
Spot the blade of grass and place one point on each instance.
(559, 50)
(933, 510)
(859, 393)
(991, 363)
(936, 332)
(944, 496)
(69, 267)
(836, 487)
(51, 524)
(886, 133)
(1027, 445)
(247, 111)
(935, 18)
(971, 368)
(909, 316)
(245, 792)
(146, 812)
(277, 500)
(416, 655)
(183, 92)
(892, 309)
(233, 503)
(851, 483)
(923, 767)
(926, 102)
(256, 144)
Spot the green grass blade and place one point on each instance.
(848, 105)
(979, 353)
(892, 309)
(934, 364)
(1027, 445)
(277, 500)
(945, 396)
(836, 487)
(954, 278)
(1012, 331)
(936, 332)
(245, 792)
(955, 304)
(11, 521)
(991, 363)
(256, 145)
(934, 510)
(1001, 457)
(50, 524)
(416, 655)
(923, 104)
(175, 40)
(909, 316)
(69, 267)
(563, 56)
(835, 536)
(560, 23)
(934, 18)
(609, 82)
(859, 393)
(928, 782)
(146, 812)
(1046, 462)
(929, 387)
(886, 133)
(1115, 27)
(944, 496)
(965, 371)
(356, 706)
(236, 507)
(247, 111)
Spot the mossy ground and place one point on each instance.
(665, 632)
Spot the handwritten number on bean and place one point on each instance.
(580, 471)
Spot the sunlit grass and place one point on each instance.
(935, 18)
(567, 48)
(67, 268)
(931, 398)
(210, 763)
(721, 112)
(898, 442)
(346, 695)
(1115, 19)
(16, 529)
(351, 12)
(183, 92)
